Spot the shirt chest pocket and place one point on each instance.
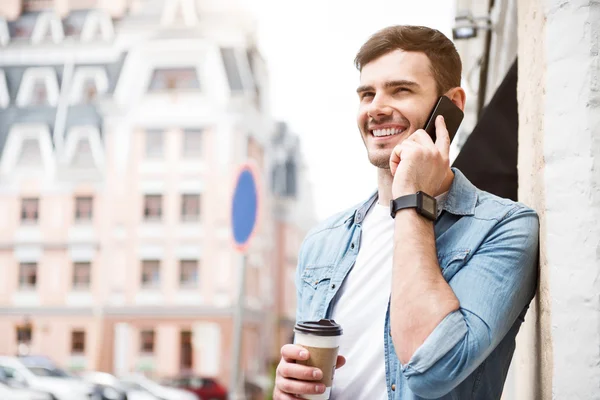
(315, 287)
(452, 262)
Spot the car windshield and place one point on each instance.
(51, 372)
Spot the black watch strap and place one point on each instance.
(408, 201)
(423, 203)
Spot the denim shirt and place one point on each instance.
(487, 250)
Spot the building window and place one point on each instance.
(40, 94)
(89, 83)
(24, 334)
(152, 207)
(174, 79)
(39, 87)
(83, 157)
(77, 342)
(29, 210)
(186, 351)
(90, 90)
(150, 274)
(154, 143)
(188, 273)
(30, 156)
(22, 28)
(192, 143)
(232, 70)
(73, 23)
(27, 275)
(147, 341)
(190, 207)
(83, 208)
(82, 275)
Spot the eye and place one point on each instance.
(402, 89)
(366, 95)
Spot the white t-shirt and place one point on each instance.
(364, 297)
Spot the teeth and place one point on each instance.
(387, 132)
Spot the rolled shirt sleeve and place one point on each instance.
(493, 287)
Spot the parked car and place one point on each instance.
(204, 388)
(158, 390)
(113, 389)
(50, 380)
(8, 392)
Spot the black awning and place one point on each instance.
(489, 156)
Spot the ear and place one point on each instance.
(458, 97)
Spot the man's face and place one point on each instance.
(397, 93)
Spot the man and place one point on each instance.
(430, 307)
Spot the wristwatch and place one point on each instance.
(424, 203)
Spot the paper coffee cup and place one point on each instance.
(322, 340)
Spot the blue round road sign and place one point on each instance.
(244, 210)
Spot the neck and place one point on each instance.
(385, 179)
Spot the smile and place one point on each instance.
(387, 132)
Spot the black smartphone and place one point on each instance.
(451, 113)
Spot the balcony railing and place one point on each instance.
(42, 5)
(83, 4)
(38, 5)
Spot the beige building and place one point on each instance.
(122, 124)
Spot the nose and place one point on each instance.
(379, 108)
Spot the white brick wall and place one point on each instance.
(559, 175)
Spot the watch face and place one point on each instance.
(428, 205)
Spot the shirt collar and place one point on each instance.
(462, 196)
(459, 200)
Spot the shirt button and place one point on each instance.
(393, 387)
(333, 286)
(352, 246)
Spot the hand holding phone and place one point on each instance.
(453, 116)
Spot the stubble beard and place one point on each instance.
(380, 160)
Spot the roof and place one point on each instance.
(81, 114)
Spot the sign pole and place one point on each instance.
(237, 390)
(245, 212)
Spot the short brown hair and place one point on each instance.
(445, 61)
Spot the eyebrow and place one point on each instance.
(388, 85)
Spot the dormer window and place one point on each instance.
(22, 28)
(83, 157)
(30, 155)
(98, 26)
(84, 148)
(73, 23)
(177, 12)
(39, 96)
(28, 149)
(39, 87)
(89, 91)
(174, 79)
(88, 84)
(48, 27)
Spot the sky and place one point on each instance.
(309, 47)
